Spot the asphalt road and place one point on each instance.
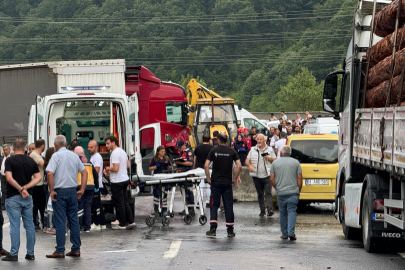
(257, 245)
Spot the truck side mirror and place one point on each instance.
(239, 106)
(330, 92)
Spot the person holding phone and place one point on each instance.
(259, 162)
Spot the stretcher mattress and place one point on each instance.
(197, 173)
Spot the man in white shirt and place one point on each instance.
(299, 119)
(6, 152)
(280, 143)
(119, 183)
(97, 209)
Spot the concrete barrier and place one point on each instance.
(246, 191)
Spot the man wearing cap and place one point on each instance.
(247, 138)
(185, 163)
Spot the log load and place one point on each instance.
(383, 48)
(384, 20)
(381, 71)
(377, 96)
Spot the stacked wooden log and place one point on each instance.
(381, 57)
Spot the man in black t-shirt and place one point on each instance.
(19, 170)
(200, 156)
(223, 158)
(253, 135)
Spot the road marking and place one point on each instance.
(119, 251)
(5, 225)
(402, 254)
(173, 250)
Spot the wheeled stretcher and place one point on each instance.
(181, 180)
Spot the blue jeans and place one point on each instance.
(1, 229)
(287, 204)
(66, 206)
(18, 207)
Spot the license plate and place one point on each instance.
(312, 182)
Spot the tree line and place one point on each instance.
(266, 54)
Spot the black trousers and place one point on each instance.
(3, 189)
(121, 202)
(263, 186)
(39, 201)
(1, 229)
(97, 209)
(223, 190)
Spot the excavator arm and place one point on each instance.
(197, 91)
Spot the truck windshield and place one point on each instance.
(176, 113)
(222, 113)
(315, 151)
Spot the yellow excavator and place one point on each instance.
(209, 112)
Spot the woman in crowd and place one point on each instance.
(159, 164)
(241, 148)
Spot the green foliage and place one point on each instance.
(301, 93)
(245, 49)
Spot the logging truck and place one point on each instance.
(367, 98)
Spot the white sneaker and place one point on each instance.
(115, 222)
(118, 227)
(95, 227)
(103, 227)
(132, 225)
(106, 197)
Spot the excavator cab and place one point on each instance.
(214, 114)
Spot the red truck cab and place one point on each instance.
(159, 102)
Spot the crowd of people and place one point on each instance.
(64, 188)
(63, 191)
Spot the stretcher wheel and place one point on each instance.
(171, 215)
(188, 219)
(165, 222)
(150, 221)
(203, 220)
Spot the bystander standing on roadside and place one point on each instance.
(259, 162)
(308, 115)
(299, 119)
(6, 155)
(62, 172)
(297, 130)
(241, 148)
(247, 138)
(200, 156)
(286, 177)
(289, 131)
(31, 148)
(303, 125)
(272, 117)
(270, 135)
(283, 116)
(22, 175)
(119, 165)
(48, 216)
(253, 134)
(97, 209)
(223, 158)
(38, 193)
(275, 138)
(86, 200)
(280, 143)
